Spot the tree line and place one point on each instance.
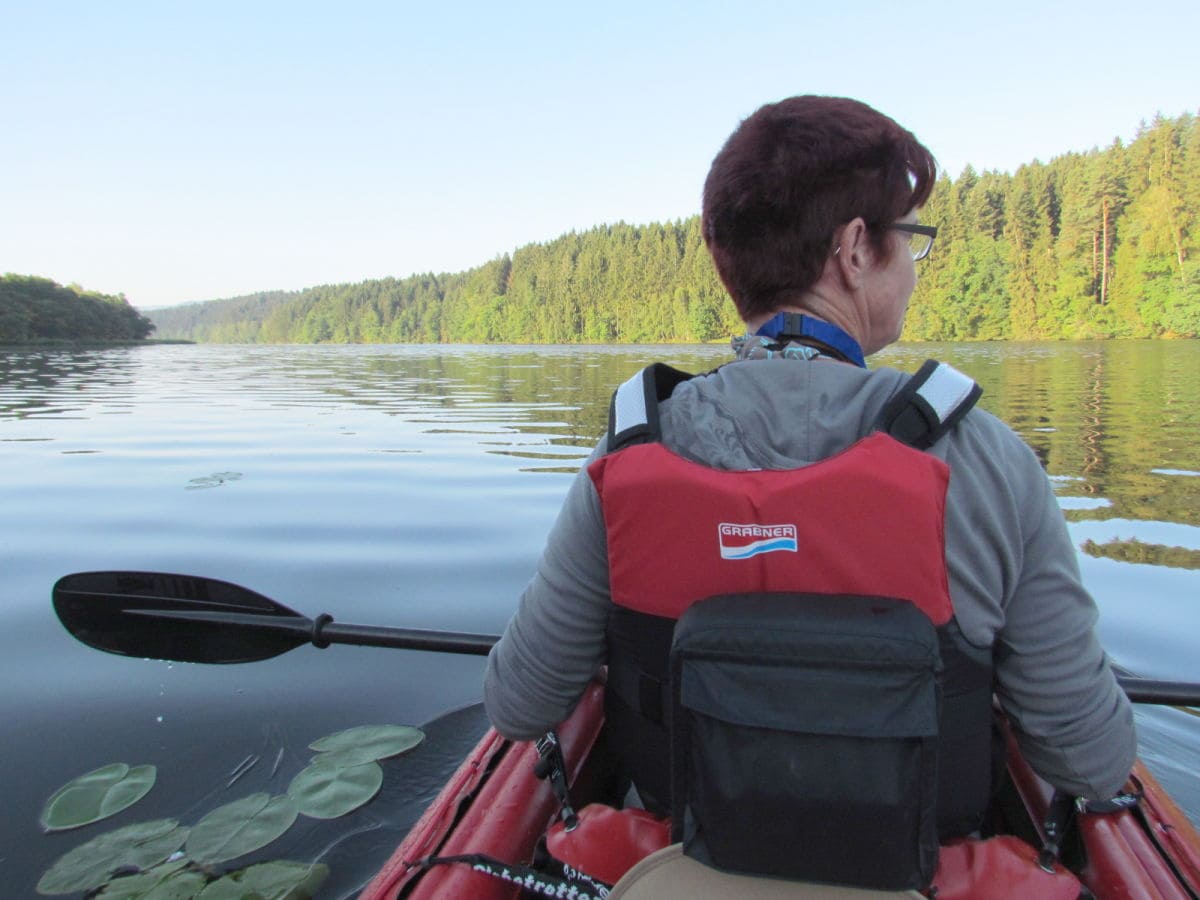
(1091, 245)
(1102, 244)
(613, 283)
(36, 309)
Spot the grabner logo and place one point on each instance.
(745, 541)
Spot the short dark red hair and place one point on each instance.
(789, 176)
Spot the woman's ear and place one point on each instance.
(854, 254)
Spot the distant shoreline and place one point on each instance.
(83, 343)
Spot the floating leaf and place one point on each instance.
(368, 742)
(240, 827)
(171, 881)
(329, 791)
(216, 479)
(338, 759)
(97, 795)
(269, 881)
(88, 866)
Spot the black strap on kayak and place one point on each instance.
(552, 765)
(1061, 817)
(1060, 814)
(565, 882)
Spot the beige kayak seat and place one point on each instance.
(669, 875)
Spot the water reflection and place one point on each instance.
(54, 383)
(1114, 423)
(392, 485)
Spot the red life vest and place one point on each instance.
(867, 521)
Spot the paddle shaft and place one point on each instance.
(323, 631)
(195, 619)
(1139, 690)
(1162, 693)
(409, 638)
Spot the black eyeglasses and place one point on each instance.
(920, 238)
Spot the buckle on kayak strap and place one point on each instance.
(552, 765)
(1059, 816)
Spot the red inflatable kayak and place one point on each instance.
(495, 805)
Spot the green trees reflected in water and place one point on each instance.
(1114, 423)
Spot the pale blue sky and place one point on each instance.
(180, 152)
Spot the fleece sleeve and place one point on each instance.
(554, 644)
(1072, 720)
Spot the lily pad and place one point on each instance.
(328, 791)
(171, 881)
(90, 865)
(97, 795)
(280, 880)
(369, 742)
(240, 827)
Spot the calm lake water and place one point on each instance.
(413, 486)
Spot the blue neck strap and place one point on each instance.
(795, 325)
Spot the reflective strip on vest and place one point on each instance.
(869, 520)
(629, 404)
(945, 390)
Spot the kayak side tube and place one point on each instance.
(495, 805)
(506, 810)
(1152, 852)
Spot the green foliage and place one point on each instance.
(90, 865)
(367, 743)
(269, 881)
(615, 283)
(37, 309)
(1098, 244)
(97, 795)
(327, 789)
(240, 827)
(140, 862)
(1135, 551)
(277, 880)
(169, 881)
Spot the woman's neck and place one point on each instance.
(797, 327)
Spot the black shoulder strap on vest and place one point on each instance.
(633, 416)
(929, 405)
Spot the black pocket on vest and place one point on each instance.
(804, 738)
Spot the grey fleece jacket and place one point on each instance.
(1014, 578)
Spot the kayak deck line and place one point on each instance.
(1172, 827)
(1158, 857)
(506, 814)
(429, 831)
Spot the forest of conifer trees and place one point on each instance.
(1103, 244)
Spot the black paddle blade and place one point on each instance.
(178, 617)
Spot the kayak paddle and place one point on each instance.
(1159, 693)
(187, 618)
